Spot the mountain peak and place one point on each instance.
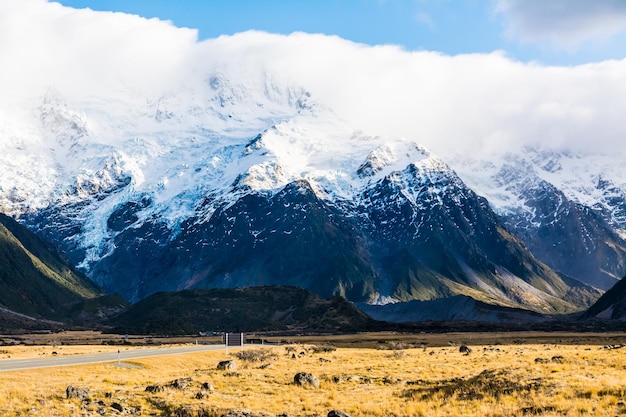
(241, 179)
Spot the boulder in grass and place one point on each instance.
(155, 388)
(305, 379)
(337, 413)
(77, 393)
(465, 349)
(247, 413)
(181, 383)
(201, 395)
(227, 365)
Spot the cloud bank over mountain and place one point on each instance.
(474, 101)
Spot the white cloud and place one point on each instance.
(45, 43)
(563, 23)
(473, 101)
(477, 101)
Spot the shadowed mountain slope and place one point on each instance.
(612, 304)
(35, 278)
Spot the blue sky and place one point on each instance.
(551, 32)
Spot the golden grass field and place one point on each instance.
(395, 379)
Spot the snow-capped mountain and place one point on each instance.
(568, 208)
(240, 182)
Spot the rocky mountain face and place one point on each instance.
(242, 184)
(563, 207)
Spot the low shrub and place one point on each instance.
(256, 355)
(323, 348)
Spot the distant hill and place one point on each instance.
(459, 307)
(612, 304)
(35, 278)
(264, 308)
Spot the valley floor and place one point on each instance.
(397, 375)
(100, 340)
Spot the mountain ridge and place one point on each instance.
(195, 190)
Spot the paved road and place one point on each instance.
(33, 363)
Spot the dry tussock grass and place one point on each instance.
(492, 381)
(25, 352)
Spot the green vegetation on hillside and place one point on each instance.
(35, 279)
